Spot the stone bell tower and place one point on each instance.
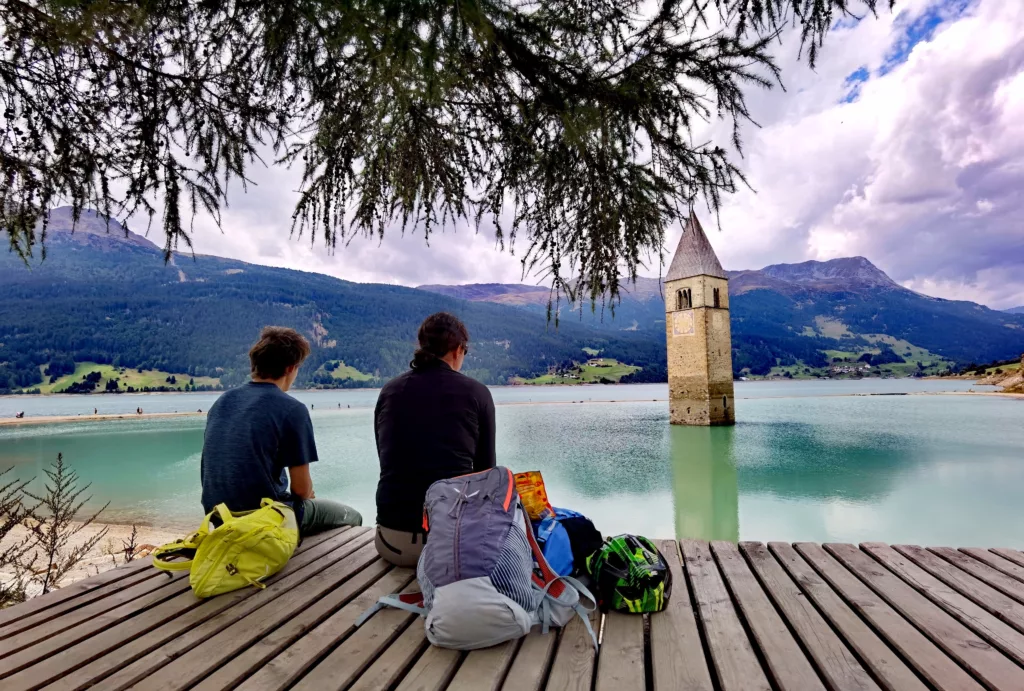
(698, 334)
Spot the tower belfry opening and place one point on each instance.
(698, 333)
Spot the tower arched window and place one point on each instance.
(717, 298)
(684, 301)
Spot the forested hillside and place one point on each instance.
(104, 298)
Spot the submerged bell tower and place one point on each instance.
(697, 329)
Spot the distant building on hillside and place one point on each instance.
(698, 334)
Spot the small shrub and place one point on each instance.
(54, 527)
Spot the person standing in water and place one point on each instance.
(431, 423)
(259, 440)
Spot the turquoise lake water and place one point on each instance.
(817, 461)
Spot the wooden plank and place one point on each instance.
(164, 585)
(997, 562)
(203, 660)
(987, 664)
(179, 620)
(190, 634)
(998, 633)
(573, 666)
(736, 664)
(789, 667)
(70, 592)
(621, 662)
(484, 670)
(983, 571)
(394, 662)
(67, 607)
(432, 671)
(887, 667)
(677, 654)
(1016, 556)
(529, 670)
(44, 650)
(958, 572)
(838, 665)
(359, 647)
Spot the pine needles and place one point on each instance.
(567, 125)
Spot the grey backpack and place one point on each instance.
(483, 577)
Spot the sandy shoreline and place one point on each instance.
(49, 419)
(106, 554)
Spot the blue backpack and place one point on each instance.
(566, 539)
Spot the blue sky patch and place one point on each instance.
(853, 82)
(921, 28)
(910, 32)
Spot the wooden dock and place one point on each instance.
(741, 618)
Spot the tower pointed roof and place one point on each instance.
(694, 255)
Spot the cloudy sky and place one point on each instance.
(905, 145)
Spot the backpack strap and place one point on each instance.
(582, 610)
(552, 586)
(410, 602)
(185, 549)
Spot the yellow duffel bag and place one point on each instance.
(246, 548)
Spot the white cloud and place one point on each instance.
(922, 173)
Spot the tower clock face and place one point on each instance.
(682, 323)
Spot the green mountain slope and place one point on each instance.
(105, 298)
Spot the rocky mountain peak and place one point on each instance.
(853, 271)
(91, 227)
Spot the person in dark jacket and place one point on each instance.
(432, 423)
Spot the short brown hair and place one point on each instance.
(278, 349)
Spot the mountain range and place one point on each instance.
(783, 310)
(105, 295)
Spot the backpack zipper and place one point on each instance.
(458, 525)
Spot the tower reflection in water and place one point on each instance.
(704, 490)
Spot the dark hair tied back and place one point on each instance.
(439, 335)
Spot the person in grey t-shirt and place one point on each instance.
(259, 439)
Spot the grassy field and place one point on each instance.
(343, 371)
(126, 375)
(604, 368)
(1005, 368)
(830, 328)
(933, 364)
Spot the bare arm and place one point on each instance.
(301, 482)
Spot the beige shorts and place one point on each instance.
(399, 547)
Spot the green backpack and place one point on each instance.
(631, 575)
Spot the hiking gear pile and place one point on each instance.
(243, 548)
(483, 576)
(631, 575)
